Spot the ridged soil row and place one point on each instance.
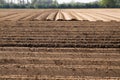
(30, 63)
(19, 17)
(59, 65)
(5, 14)
(96, 16)
(52, 16)
(13, 15)
(111, 15)
(59, 16)
(58, 37)
(32, 15)
(63, 15)
(9, 17)
(36, 77)
(104, 26)
(43, 16)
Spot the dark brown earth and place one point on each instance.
(59, 50)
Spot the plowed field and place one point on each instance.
(61, 15)
(43, 45)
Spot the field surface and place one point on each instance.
(35, 47)
(61, 15)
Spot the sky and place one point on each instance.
(85, 1)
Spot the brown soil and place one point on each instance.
(59, 50)
(61, 15)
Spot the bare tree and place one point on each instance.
(23, 2)
(8, 1)
(19, 2)
(2, 1)
(27, 1)
(12, 1)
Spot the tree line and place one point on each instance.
(55, 4)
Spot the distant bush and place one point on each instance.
(54, 4)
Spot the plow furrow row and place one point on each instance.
(60, 44)
(64, 15)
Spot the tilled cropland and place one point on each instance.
(40, 45)
(60, 15)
